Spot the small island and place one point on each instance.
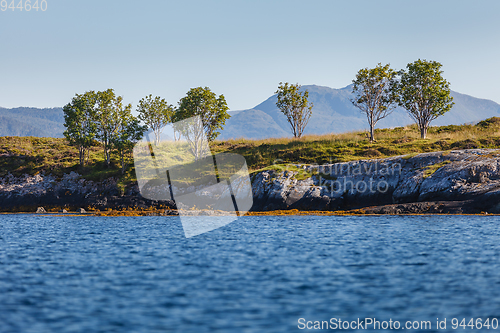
(454, 170)
(108, 155)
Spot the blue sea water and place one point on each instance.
(257, 274)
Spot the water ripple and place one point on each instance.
(258, 274)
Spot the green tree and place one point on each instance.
(127, 134)
(107, 119)
(294, 106)
(81, 129)
(155, 113)
(374, 93)
(424, 93)
(211, 108)
(177, 132)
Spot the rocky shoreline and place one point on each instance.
(455, 182)
(451, 182)
(71, 192)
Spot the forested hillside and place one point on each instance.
(25, 121)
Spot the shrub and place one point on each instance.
(370, 152)
(465, 144)
(403, 140)
(490, 122)
(447, 128)
(440, 145)
(388, 151)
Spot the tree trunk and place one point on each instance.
(81, 150)
(372, 133)
(423, 132)
(157, 137)
(123, 162)
(88, 155)
(107, 155)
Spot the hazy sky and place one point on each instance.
(241, 49)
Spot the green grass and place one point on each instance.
(31, 155)
(300, 174)
(351, 146)
(431, 169)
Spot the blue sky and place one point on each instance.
(241, 49)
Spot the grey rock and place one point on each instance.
(471, 176)
(41, 210)
(468, 176)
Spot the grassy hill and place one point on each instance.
(355, 145)
(31, 155)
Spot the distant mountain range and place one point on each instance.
(32, 122)
(332, 113)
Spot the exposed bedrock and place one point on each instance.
(29, 192)
(460, 181)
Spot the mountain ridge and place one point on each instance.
(332, 113)
(29, 121)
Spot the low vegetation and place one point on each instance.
(351, 146)
(431, 169)
(32, 155)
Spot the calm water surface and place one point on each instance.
(258, 274)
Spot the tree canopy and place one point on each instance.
(107, 118)
(424, 93)
(294, 106)
(155, 113)
(211, 108)
(79, 120)
(374, 93)
(127, 134)
(101, 117)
